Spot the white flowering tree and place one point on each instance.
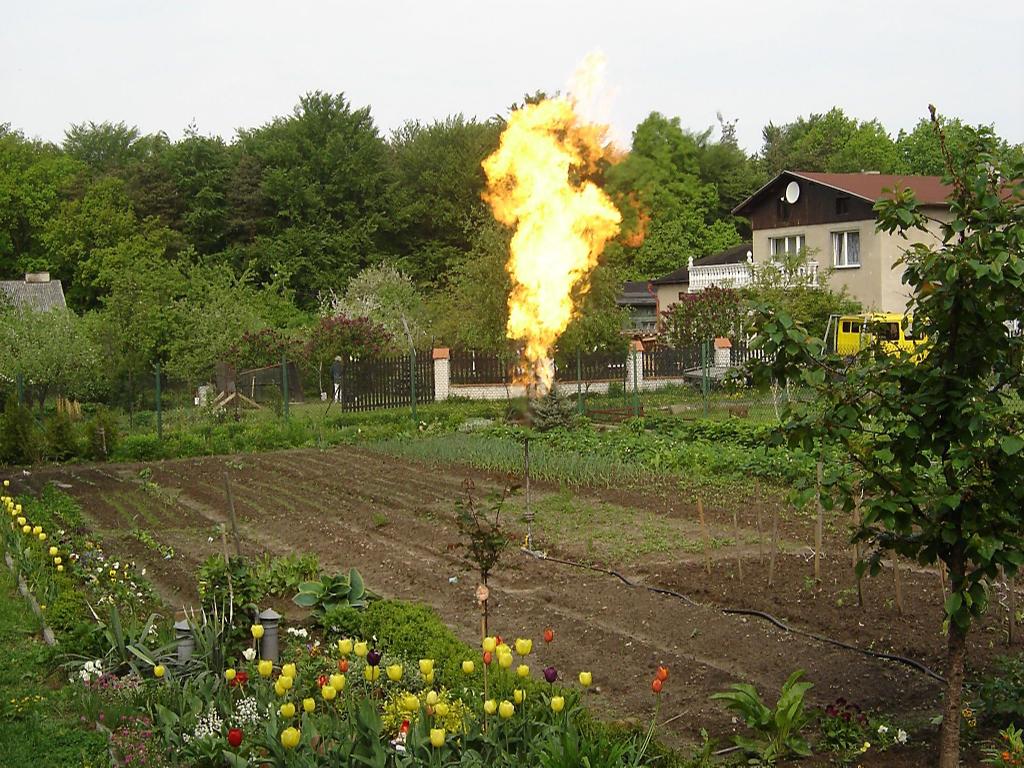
(388, 297)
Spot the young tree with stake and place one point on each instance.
(935, 435)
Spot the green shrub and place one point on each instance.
(1002, 694)
(145, 447)
(343, 619)
(67, 610)
(417, 631)
(101, 435)
(61, 444)
(20, 441)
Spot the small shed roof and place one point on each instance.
(634, 293)
(34, 293)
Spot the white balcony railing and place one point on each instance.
(740, 275)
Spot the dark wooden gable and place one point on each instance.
(818, 204)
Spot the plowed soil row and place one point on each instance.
(394, 521)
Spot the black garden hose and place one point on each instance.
(912, 663)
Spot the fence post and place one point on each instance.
(21, 389)
(580, 407)
(159, 410)
(284, 384)
(704, 375)
(635, 353)
(412, 381)
(442, 372)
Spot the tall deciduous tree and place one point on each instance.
(936, 436)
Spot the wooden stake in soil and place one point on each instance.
(231, 515)
(1012, 585)
(775, 547)
(856, 549)
(739, 552)
(897, 584)
(760, 541)
(818, 526)
(707, 537)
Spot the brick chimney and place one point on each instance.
(37, 277)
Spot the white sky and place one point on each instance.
(161, 65)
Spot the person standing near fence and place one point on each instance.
(336, 376)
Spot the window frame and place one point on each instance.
(844, 234)
(799, 237)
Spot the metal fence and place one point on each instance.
(386, 382)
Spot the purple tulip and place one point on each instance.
(373, 657)
(550, 674)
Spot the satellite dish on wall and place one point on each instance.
(792, 192)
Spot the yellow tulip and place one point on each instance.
(490, 644)
(557, 703)
(22, 521)
(429, 679)
(57, 560)
(279, 689)
(490, 706)
(372, 674)
(586, 679)
(431, 698)
(361, 648)
(410, 703)
(426, 666)
(308, 705)
(257, 631)
(42, 536)
(37, 530)
(337, 682)
(518, 695)
(523, 670)
(523, 646)
(468, 667)
(7, 483)
(53, 551)
(394, 672)
(265, 667)
(288, 670)
(290, 737)
(505, 660)
(60, 569)
(345, 646)
(506, 709)
(441, 709)
(437, 737)
(158, 670)
(286, 682)
(288, 710)
(229, 674)
(26, 529)
(328, 692)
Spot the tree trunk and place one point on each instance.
(949, 737)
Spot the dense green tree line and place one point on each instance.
(172, 247)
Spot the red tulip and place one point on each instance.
(322, 680)
(343, 666)
(656, 685)
(235, 737)
(487, 657)
(662, 674)
(549, 635)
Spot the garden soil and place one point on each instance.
(394, 520)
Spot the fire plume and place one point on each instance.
(536, 182)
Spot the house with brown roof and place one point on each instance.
(37, 291)
(829, 218)
(730, 267)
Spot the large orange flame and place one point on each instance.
(535, 183)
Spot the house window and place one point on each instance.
(842, 205)
(788, 244)
(845, 249)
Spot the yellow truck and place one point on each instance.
(893, 332)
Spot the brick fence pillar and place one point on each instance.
(442, 372)
(635, 362)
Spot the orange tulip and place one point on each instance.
(662, 674)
